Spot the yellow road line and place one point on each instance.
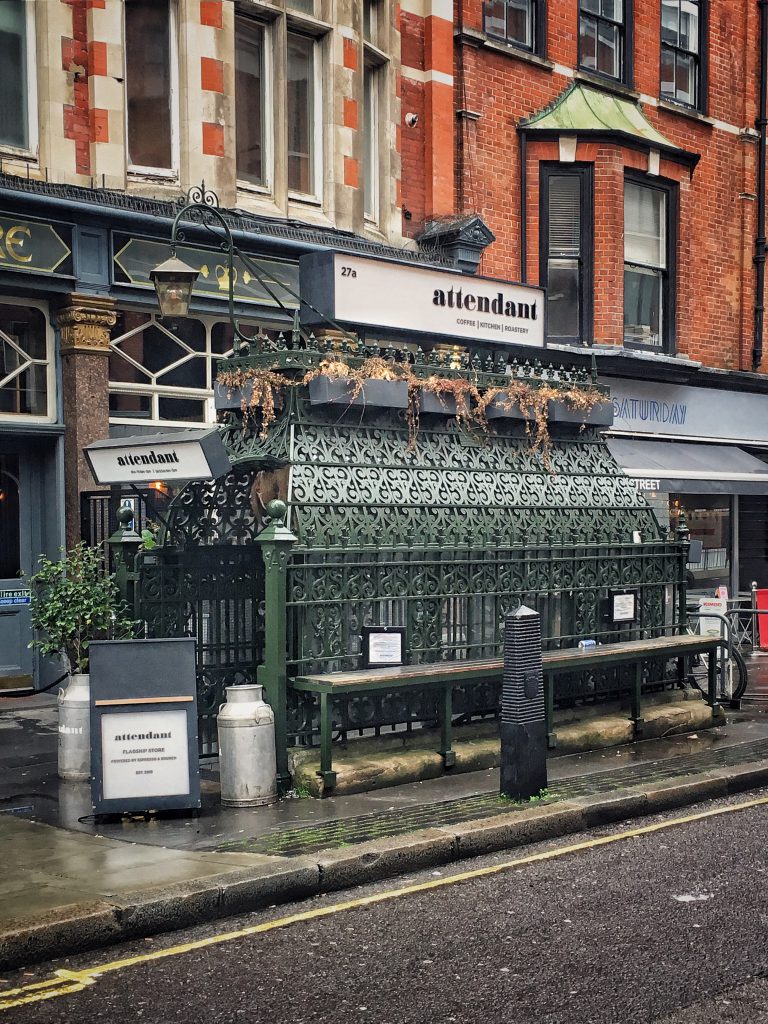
(65, 982)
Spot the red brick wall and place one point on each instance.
(715, 277)
(75, 59)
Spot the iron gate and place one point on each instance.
(216, 594)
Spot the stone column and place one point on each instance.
(85, 326)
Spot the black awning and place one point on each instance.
(692, 468)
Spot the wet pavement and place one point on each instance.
(30, 788)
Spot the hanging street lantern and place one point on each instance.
(173, 282)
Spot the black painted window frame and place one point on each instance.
(700, 61)
(626, 33)
(585, 173)
(538, 44)
(669, 274)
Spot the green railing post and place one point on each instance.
(276, 541)
(125, 543)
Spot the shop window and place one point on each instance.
(163, 371)
(25, 365)
(150, 76)
(648, 250)
(709, 519)
(605, 36)
(251, 84)
(17, 97)
(518, 22)
(566, 251)
(682, 35)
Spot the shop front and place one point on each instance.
(704, 452)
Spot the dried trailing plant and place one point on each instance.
(263, 390)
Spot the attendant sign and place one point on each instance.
(414, 299)
(143, 725)
(174, 455)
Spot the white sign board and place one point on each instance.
(624, 607)
(385, 648)
(378, 293)
(711, 626)
(172, 455)
(144, 754)
(159, 462)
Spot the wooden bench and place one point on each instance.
(445, 675)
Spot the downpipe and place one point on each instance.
(759, 257)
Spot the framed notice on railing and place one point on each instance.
(383, 645)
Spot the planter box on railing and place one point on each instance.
(231, 398)
(374, 394)
(600, 415)
(439, 403)
(504, 407)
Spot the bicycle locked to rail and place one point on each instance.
(731, 668)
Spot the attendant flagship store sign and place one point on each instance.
(399, 296)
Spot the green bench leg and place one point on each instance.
(637, 719)
(446, 727)
(549, 709)
(326, 757)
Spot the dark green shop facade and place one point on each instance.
(399, 512)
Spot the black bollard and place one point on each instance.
(523, 725)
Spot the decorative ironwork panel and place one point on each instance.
(216, 594)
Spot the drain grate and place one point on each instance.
(341, 832)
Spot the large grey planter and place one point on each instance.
(600, 415)
(375, 394)
(439, 403)
(231, 398)
(501, 408)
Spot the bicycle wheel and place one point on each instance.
(739, 675)
(730, 687)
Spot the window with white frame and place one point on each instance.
(251, 107)
(26, 367)
(163, 370)
(605, 38)
(682, 37)
(150, 82)
(303, 111)
(375, 67)
(371, 104)
(518, 22)
(18, 99)
(647, 255)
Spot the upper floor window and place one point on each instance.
(682, 31)
(566, 250)
(250, 100)
(17, 98)
(605, 28)
(150, 76)
(519, 22)
(303, 111)
(648, 271)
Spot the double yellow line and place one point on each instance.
(65, 982)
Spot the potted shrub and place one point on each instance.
(74, 601)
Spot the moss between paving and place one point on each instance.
(370, 764)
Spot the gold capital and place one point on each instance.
(85, 325)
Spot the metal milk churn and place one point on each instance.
(247, 762)
(75, 729)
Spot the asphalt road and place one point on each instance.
(670, 926)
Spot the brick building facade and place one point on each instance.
(607, 149)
